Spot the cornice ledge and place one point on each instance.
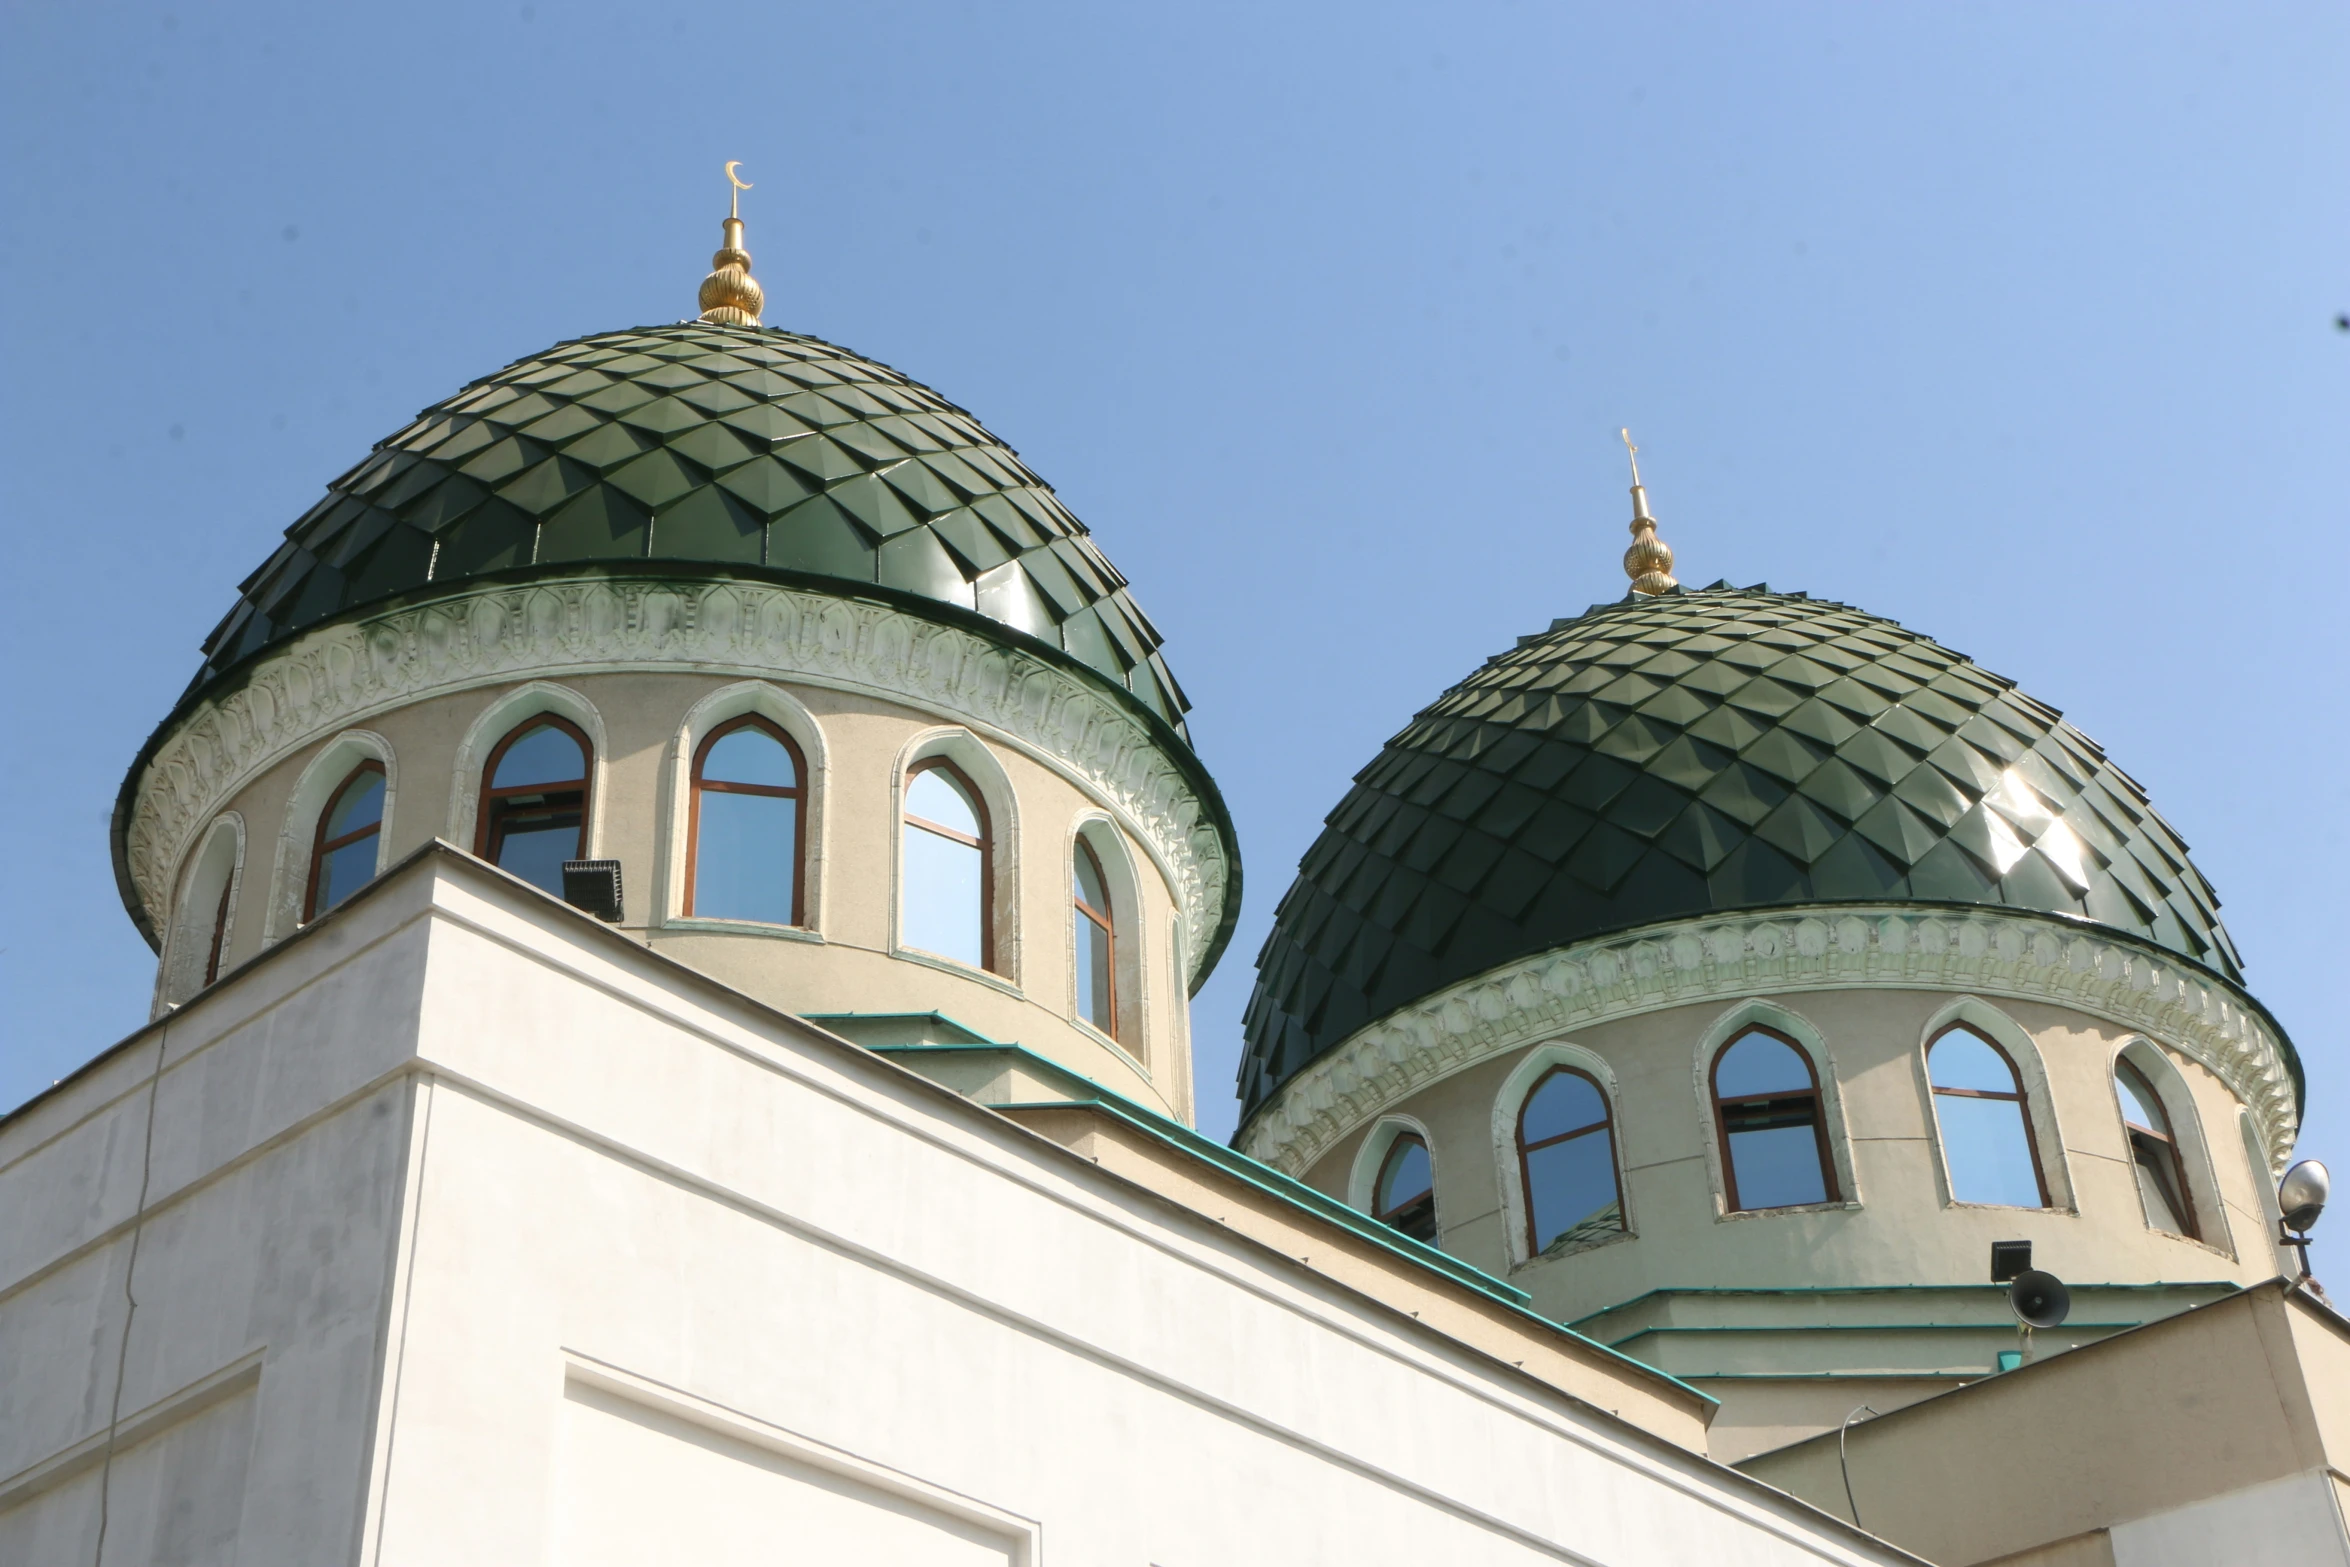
(338, 674)
(2006, 953)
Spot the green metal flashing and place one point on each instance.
(1702, 752)
(2221, 1287)
(1084, 1091)
(1843, 1376)
(1862, 1327)
(850, 1024)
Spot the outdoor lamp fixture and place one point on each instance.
(2301, 1197)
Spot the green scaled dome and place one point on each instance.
(744, 447)
(1695, 753)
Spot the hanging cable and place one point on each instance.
(1849, 1503)
(122, 1352)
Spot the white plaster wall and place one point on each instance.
(2295, 1522)
(263, 1247)
(490, 1209)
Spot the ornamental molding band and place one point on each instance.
(2020, 956)
(336, 675)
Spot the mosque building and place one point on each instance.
(678, 889)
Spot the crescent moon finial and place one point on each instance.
(730, 296)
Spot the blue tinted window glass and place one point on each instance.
(344, 871)
(359, 804)
(1564, 1102)
(535, 851)
(1777, 1167)
(1960, 1060)
(935, 797)
(543, 755)
(2138, 1100)
(943, 896)
(1406, 1174)
(750, 755)
(1989, 1156)
(1086, 883)
(744, 855)
(1095, 994)
(1759, 1064)
(1572, 1187)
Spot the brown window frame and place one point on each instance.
(488, 828)
(1391, 1216)
(2145, 1139)
(2021, 1100)
(798, 795)
(984, 843)
(1606, 1123)
(1819, 1121)
(320, 848)
(228, 885)
(1107, 920)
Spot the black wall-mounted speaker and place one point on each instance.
(2039, 1300)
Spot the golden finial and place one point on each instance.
(730, 295)
(1649, 562)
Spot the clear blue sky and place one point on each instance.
(2013, 323)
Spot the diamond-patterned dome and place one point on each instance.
(1692, 753)
(745, 447)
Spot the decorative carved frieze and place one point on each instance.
(339, 674)
(1723, 958)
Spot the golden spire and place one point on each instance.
(1649, 562)
(730, 295)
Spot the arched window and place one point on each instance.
(1567, 1157)
(1405, 1194)
(219, 933)
(195, 948)
(1097, 942)
(947, 869)
(1986, 1135)
(344, 848)
(534, 802)
(1774, 1134)
(2154, 1152)
(743, 850)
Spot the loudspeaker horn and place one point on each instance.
(2039, 1300)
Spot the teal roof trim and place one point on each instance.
(1693, 753)
(1295, 1193)
(2220, 1287)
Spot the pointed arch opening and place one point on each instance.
(1772, 1124)
(346, 846)
(746, 855)
(534, 800)
(2156, 1158)
(197, 951)
(1094, 926)
(1982, 1117)
(1567, 1164)
(1403, 1196)
(947, 859)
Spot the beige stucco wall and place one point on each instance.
(847, 958)
(1897, 1224)
(2229, 1418)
